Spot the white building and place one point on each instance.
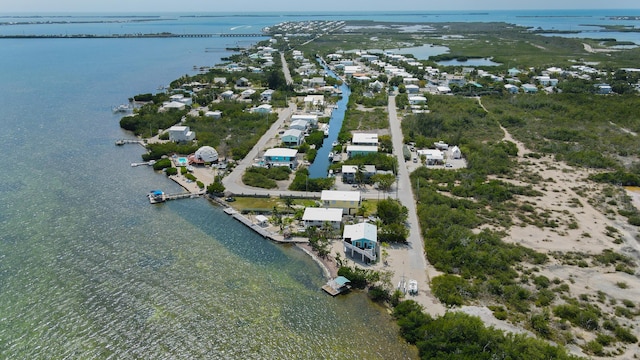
(281, 157)
(300, 124)
(365, 139)
(319, 216)
(456, 153)
(348, 201)
(181, 134)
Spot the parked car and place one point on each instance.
(448, 165)
(230, 199)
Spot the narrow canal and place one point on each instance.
(320, 166)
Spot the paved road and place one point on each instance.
(410, 262)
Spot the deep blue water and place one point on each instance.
(89, 269)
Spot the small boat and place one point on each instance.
(122, 108)
(156, 196)
(335, 143)
(190, 168)
(331, 155)
(413, 287)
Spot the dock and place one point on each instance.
(129, 141)
(337, 286)
(259, 229)
(157, 196)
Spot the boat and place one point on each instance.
(122, 108)
(190, 168)
(413, 287)
(335, 143)
(331, 156)
(156, 196)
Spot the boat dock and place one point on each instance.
(157, 196)
(337, 286)
(129, 141)
(255, 227)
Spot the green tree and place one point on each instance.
(391, 211)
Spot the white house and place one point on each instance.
(266, 95)
(205, 154)
(247, 93)
(181, 134)
(361, 239)
(529, 88)
(319, 216)
(365, 139)
(227, 95)
(172, 105)
(311, 119)
(348, 201)
(412, 89)
(216, 114)
(281, 157)
(417, 100)
(263, 109)
(349, 173)
(433, 156)
(511, 88)
(443, 89)
(300, 124)
(292, 137)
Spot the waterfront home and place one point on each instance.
(357, 150)
(181, 134)
(529, 88)
(281, 157)
(314, 100)
(292, 138)
(311, 119)
(319, 216)
(349, 173)
(361, 239)
(365, 139)
(172, 105)
(205, 154)
(348, 201)
(299, 124)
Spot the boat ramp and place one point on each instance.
(129, 141)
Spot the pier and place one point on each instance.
(157, 196)
(129, 141)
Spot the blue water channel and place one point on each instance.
(319, 168)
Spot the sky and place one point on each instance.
(213, 6)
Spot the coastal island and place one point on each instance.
(498, 189)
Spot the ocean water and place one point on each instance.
(90, 270)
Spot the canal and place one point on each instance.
(320, 166)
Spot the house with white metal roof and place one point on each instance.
(281, 157)
(357, 150)
(368, 139)
(348, 201)
(319, 216)
(292, 138)
(361, 239)
(181, 134)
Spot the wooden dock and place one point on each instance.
(156, 197)
(129, 141)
